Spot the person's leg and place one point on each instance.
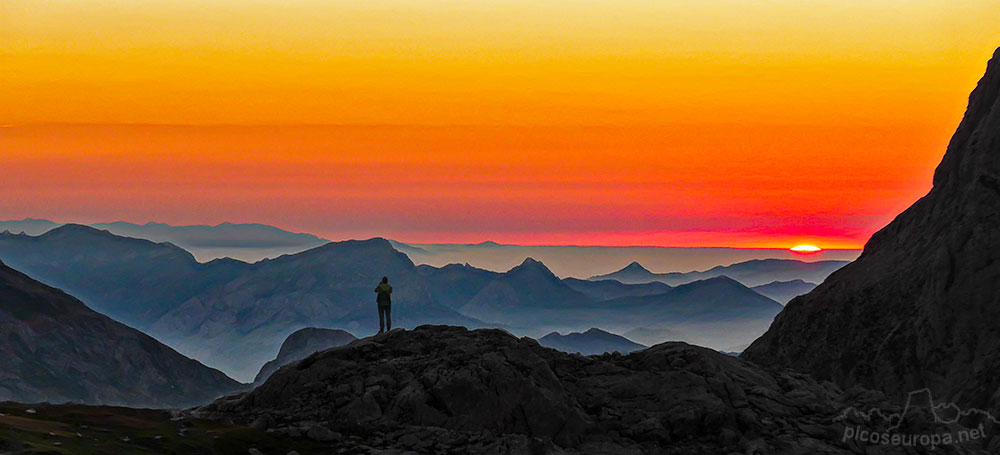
(388, 317)
(381, 319)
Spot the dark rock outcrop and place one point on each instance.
(55, 349)
(439, 389)
(300, 345)
(921, 306)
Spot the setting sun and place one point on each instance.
(805, 248)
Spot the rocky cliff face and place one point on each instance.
(439, 389)
(921, 306)
(300, 345)
(53, 348)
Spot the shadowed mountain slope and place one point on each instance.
(522, 290)
(921, 306)
(56, 349)
(611, 289)
(784, 291)
(716, 298)
(455, 284)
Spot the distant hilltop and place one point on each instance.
(248, 242)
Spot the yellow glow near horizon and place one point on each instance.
(805, 248)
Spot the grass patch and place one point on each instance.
(85, 430)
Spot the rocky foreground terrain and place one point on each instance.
(300, 344)
(441, 389)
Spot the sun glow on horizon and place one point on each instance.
(805, 248)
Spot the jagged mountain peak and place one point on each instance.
(635, 266)
(532, 265)
(530, 261)
(971, 154)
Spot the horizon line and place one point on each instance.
(433, 125)
(617, 246)
(481, 243)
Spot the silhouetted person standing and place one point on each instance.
(384, 305)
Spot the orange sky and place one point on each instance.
(713, 123)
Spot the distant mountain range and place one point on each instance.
(238, 324)
(253, 242)
(520, 295)
(224, 235)
(132, 280)
(529, 299)
(751, 273)
(234, 315)
(300, 345)
(56, 349)
(250, 242)
(611, 289)
(586, 261)
(30, 226)
(784, 291)
(593, 341)
(226, 313)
